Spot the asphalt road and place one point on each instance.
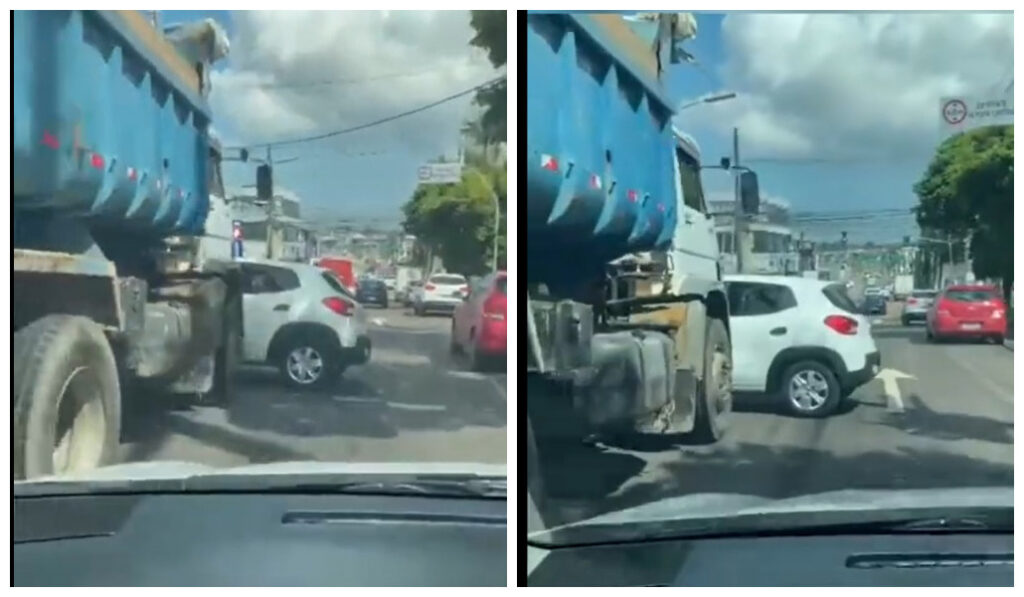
(951, 425)
(411, 402)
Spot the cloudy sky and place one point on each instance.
(295, 74)
(837, 112)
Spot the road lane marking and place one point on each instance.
(889, 377)
(479, 377)
(397, 357)
(398, 405)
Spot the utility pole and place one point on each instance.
(738, 224)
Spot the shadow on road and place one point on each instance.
(589, 483)
(378, 404)
(920, 419)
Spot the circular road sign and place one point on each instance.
(954, 111)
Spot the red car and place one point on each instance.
(967, 311)
(478, 323)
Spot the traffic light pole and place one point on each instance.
(738, 227)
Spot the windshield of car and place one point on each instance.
(500, 284)
(370, 142)
(838, 162)
(969, 296)
(447, 280)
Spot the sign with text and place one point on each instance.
(440, 173)
(960, 114)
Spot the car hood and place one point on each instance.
(728, 505)
(173, 470)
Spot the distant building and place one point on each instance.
(292, 239)
(768, 248)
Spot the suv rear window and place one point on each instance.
(754, 298)
(970, 295)
(836, 294)
(923, 294)
(335, 284)
(263, 279)
(447, 279)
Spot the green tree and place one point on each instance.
(967, 192)
(456, 221)
(492, 36)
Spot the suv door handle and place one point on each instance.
(281, 308)
(778, 331)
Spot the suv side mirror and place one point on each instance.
(750, 196)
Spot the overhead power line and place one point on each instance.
(380, 121)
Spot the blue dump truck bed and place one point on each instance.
(600, 175)
(108, 122)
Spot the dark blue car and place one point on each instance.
(372, 292)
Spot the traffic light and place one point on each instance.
(264, 182)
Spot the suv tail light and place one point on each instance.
(338, 305)
(495, 307)
(464, 290)
(846, 326)
(429, 287)
(942, 308)
(911, 301)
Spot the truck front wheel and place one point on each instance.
(67, 400)
(714, 394)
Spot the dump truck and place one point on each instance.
(627, 314)
(113, 170)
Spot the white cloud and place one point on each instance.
(390, 62)
(852, 84)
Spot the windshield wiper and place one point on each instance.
(908, 521)
(474, 488)
(467, 486)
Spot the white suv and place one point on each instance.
(440, 292)
(300, 319)
(801, 339)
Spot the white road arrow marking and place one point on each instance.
(378, 321)
(893, 400)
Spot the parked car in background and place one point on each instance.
(479, 322)
(967, 311)
(440, 292)
(407, 295)
(301, 319)
(373, 291)
(919, 302)
(874, 304)
(800, 340)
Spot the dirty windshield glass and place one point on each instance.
(850, 164)
(224, 194)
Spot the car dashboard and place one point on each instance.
(258, 539)
(919, 560)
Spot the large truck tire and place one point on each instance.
(67, 399)
(714, 391)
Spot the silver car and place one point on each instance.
(440, 292)
(917, 305)
(300, 319)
